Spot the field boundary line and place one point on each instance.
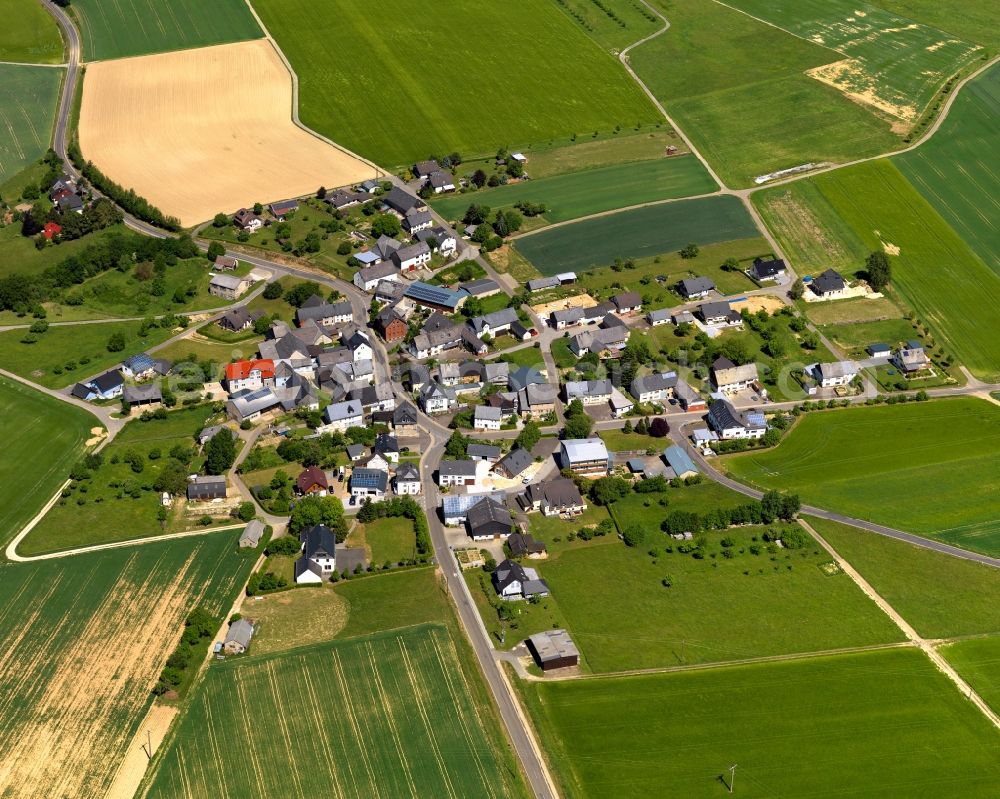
(379, 172)
(25, 64)
(924, 645)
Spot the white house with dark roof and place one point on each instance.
(657, 387)
(456, 473)
(319, 555)
(658, 317)
(406, 482)
(411, 257)
(730, 378)
(771, 269)
(838, 373)
(589, 392)
(731, 423)
(695, 288)
(828, 285)
(486, 417)
(369, 277)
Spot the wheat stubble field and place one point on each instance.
(207, 130)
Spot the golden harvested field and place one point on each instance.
(207, 130)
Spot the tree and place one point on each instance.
(344, 248)
(312, 510)
(659, 427)
(172, 479)
(215, 249)
(273, 290)
(689, 251)
(301, 292)
(258, 209)
(797, 290)
(457, 445)
(578, 426)
(739, 349)
(730, 265)
(220, 453)
(479, 178)
(261, 326)
(483, 233)
(634, 535)
(476, 214)
(246, 511)
(529, 436)
(385, 225)
(606, 490)
(116, 342)
(878, 270)
(321, 193)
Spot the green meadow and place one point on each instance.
(29, 33)
(875, 724)
(869, 462)
(637, 233)
(614, 24)
(473, 79)
(592, 191)
(978, 661)
(141, 27)
(955, 169)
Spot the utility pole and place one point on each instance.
(732, 776)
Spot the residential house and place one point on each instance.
(554, 497)
(839, 373)
(109, 385)
(71, 203)
(659, 317)
(628, 302)
(229, 287)
(537, 400)
(387, 446)
(239, 319)
(513, 463)
(489, 519)
(514, 581)
(252, 533)
(441, 181)
(400, 201)
(370, 186)
(599, 341)
(589, 392)
(911, 358)
(249, 375)
(375, 461)
(496, 374)
(342, 416)
(375, 398)
(719, 313)
(319, 555)
(238, 637)
(523, 545)
(620, 404)
(495, 323)
(138, 367)
(312, 480)
(423, 169)
(773, 269)
(689, 399)
(369, 277)
(486, 417)
(695, 288)
(828, 285)
(246, 219)
(730, 378)
(208, 433)
(393, 292)
(407, 480)
(455, 507)
(439, 239)
(595, 314)
(431, 341)
(206, 488)
(456, 473)
(566, 317)
(385, 246)
(411, 257)
(367, 482)
(657, 387)
(404, 418)
(283, 208)
(731, 423)
(340, 199)
(434, 398)
(484, 452)
(415, 221)
(586, 456)
(148, 394)
(324, 313)
(482, 287)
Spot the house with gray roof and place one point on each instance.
(658, 317)
(369, 277)
(147, 394)
(495, 323)
(730, 423)
(411, 257)
(514, 581)
(252, 533)
(599, 341)
(657, 387)
(489, 519)
(406, 481)
(228, 287)
(513, 463)
(828, 284)
(566, 317)
(628, 302)
(730, 378)
(482, 287)
(589, 392)
(207, 488)
(695, 288)
(238, 637)
(319, 555)
(554, 497)
(484, 452)
(415, 221)
(456, 473)
(719, 313)
(323, 313)
(486, 417)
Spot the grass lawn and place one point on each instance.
(526, 356)
(865, 461)
(641, 232)
(954, 169)
(387, 601)
(855, 311)
(47, 437)
(529, 618)
(29, 34)
(855, 337)
(19, 256)
(123, 611)
(389, 540)
(978, 661)
(205, 350)
(423, 732)
(594, 190)
(937, 274)
(619, 441)
(605, 281)
(103, 508)
(144, 27)
(28, 98)
(650, 142)
(289, 619)
(750, 115)
(869, 724)
(562, 354)
(939, 595)
(897, 62)
(60, 346)
(444, 105)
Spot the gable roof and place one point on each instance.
(827, 282)
(484, 451)
(309, 477)
(148, 392)
(488, 512)
(109, 380)
(627, 299)
(407, 473)
(678, 460)
(319, 542)
(580, 450)
(240, 632)
(240, 370)
(421, 292)
(515, 461)
(364, 477)
(457, 468)
(696, 285)
(505, 316)
(483, 285)
(769, 268)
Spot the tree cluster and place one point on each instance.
(405, 507)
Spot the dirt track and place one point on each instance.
(202, 131)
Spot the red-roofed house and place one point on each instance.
(50, 230)
(312, 481)
(249, 375)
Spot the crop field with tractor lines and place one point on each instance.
(481, 84)
(83, 641)
(382, 715)
(27, 112)
(29, 34)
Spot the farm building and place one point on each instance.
(205, 489)
(252, 533)
(554, 649)
(437, 298)
(238, 637)
(689, 399)
(587, 456)
(678, 460)
(148, 394)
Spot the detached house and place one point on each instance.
(513, 463)
(628, 302)
(342, 415)
(229, 287)
(589, 392)
(730, 423)
(249, 375)
(368, 482)
(911, 358)
(486, 417)
(319, 555)
(489, 519)
(457, 473)
(312, 481)
(246, 219)
(493, 324)
(514, 581)
(695, 288)
(441, 181)
(407, 480)
(654, 388)
(554, 497)
(839, 373)
(719, 313)
(730, 378)
(768, 270)
(829, 284)
(368, 278)
(586, 456)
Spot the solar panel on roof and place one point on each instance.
(260, 393)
